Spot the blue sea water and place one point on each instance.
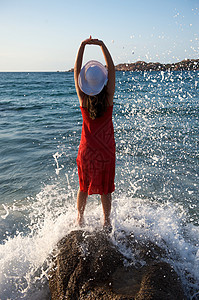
(156, 131)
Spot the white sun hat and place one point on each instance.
(92, 78)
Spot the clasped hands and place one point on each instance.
(91, 41)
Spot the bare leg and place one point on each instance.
(106, 205)
(81, 203)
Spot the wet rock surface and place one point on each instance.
(89, 266)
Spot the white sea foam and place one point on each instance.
(25, 258)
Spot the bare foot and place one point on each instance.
(107, 222)
(80, 221)
(107, 227)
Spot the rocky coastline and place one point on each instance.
(188, 64)
(88, 265)
(184, 65)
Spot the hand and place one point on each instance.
(96, 42)
(87, 41)
(91, 41)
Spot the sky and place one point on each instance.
(44, 35)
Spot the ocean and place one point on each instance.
(155, 120)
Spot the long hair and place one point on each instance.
(96, 105)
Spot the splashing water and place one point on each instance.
(25, 258)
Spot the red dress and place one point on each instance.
(96, 155)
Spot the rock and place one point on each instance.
(188, 64)
(71, 70)
(160, 282)
(83, 260)
(88, 266)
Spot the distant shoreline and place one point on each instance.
(187, 64)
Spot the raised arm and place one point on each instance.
(110, 67)
(111, 72)
(77, 68)
(78, 65)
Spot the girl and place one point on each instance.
(95, 86)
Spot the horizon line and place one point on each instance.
(122, 63)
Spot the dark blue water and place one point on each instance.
(156, 130)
